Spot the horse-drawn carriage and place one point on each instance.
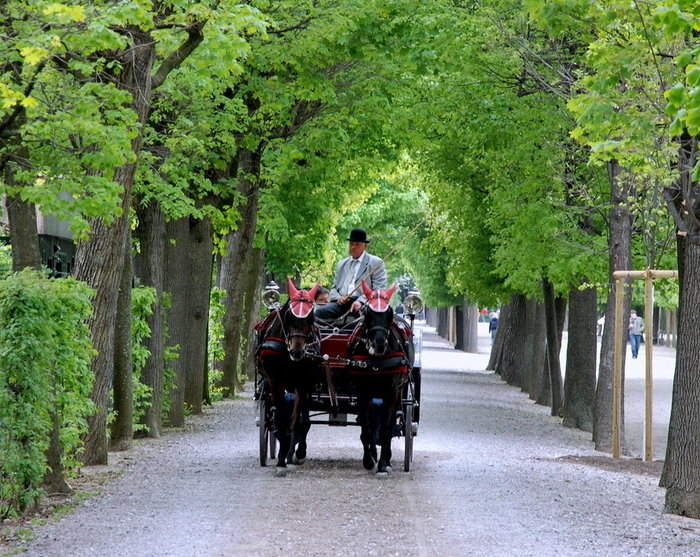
(363, 371)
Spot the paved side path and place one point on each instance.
(663, 367)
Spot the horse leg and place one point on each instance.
(392, 402)
(303, 428)
(299, 427)
(369, 448)
(282, 421)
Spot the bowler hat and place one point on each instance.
(358, 235)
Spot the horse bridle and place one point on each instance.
(309, 336)
(368, 331)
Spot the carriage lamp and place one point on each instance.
(413, 303)
(271, 295)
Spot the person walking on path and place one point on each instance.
(493, 325)
(345, 297)
(636, 328)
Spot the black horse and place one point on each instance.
(285, 337)
(385, 344)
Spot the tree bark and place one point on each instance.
(251, 310)
(54, 480)
(511, 363)
(151, 233)
(683, 477)
(553, 346)
(23, 227)
(677, 502)
(235, 266)
(467, 334)
(20, 214)
(681, 249)
(201, 246)
(99, 259)
(620, 258)
(497, 346)
(254, 311)
(530, 342)
(122, 428)
(188, 263)
(579, 384)
(442, 325)
(539, 356)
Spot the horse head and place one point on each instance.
(298, 319)
(378, 316)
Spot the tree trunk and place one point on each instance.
(620, 258)
(20, 214)
(99, 262)
(122, 428)
(99, 259)
(530, 342)
(467, 334)
(681, 249)
(151, 233)
(443, 322)
(539, 356)
(201, 247)
(553, 346)
(497, 346)
(235, 266)
(579, 385)
(254, 311)
(683, 477)
(511, 364)
(251, 310)
(23, 231)
(188, 263)
(54, 481)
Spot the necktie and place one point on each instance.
(349, 280)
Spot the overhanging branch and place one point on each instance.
(194, 37)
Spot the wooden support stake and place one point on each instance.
(648, 351)
(617, 369)
(648, 275)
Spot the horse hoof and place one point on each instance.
(368, 462)
(382, 475)
(298, 461)
(280, 472)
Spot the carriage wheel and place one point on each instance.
(267, 439)
(408, 435)
(264, 431)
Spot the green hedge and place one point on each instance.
(45, 356)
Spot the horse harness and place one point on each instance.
(394, 362)
(275, 345)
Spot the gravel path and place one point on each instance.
(493, 474)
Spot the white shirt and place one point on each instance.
(349, 286)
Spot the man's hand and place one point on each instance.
(355, 307)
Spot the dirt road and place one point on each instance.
(493, 475)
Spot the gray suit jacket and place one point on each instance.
(376, 281)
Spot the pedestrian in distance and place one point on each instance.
(493, 325)
(484, 315)
(636, 328)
